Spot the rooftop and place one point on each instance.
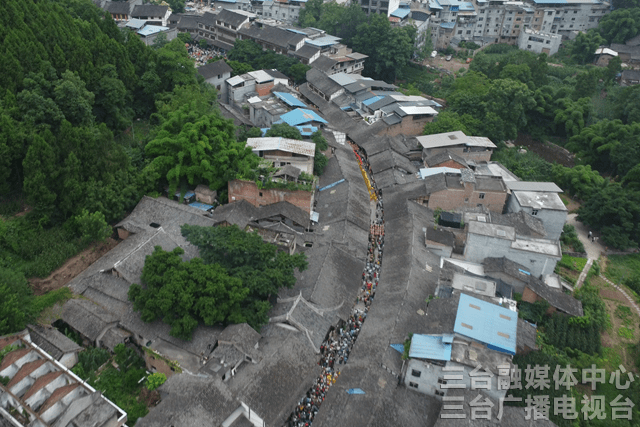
(539, 200)
(487, 323)
(492, 230)
(214, 69)
(300, 116)
(282, 144)
(434, 347)
(449, 139)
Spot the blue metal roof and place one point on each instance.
(401, 13)
(467, 7)
(323, 41)
(202, 206)
(300, 116)
(433, 4)
(152, 29)
(307, 130)
(398, 347)
(487, 323)
(355, 391)
(372, 100)
(226, 1)
(293, 30)
(447, 24)
(290, 99)
(430, 347)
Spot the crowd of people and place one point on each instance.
(334, 351)
(202, 55)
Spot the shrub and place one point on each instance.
(155, 380)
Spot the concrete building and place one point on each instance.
(42, 392)
(630, 78)
(384, 7)
(282, 152)
(446, 160)
(539, 42)
(252, 84)
(216, 74)
(478, 349)
(227, 25)
(539, 256)
(152, 14)
(121, 10)
(541, 200)
(471, 148)
(149, 33)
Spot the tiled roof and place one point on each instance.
(282, 144)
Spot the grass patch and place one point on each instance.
(622, 266)
(573, 263)
(51, 298)
(626, 333)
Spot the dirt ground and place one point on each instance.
(547, 151)
(610, 338)
(440, 62)
(72, 267)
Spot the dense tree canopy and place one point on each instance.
(231, 283)
(247, 55)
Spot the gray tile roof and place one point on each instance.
(307, 51)
(118, 7)
(322, 82)
(214, 69)
(324, 63)
(526, 335)
(52, 341)
(150, 10)
(232, 18)
(440, 158)
(87, 317)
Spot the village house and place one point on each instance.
(471, 148)
(463, 190)
(55, 343)
(283, 151)
(216, 74)
(152, 14)
(484, 240)
(541, 200)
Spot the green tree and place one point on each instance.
(73, 99)
(194, 144)
(155, 380)
(252, 132)
(239, 68)
(583, 47)
(620, 25)
(177, 6)
(310, 13)
(92, 227)
(16, 304)
(184, 293)
(262, 269)
(450, 121)
(284, 130)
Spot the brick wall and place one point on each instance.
(248, 190)
(408, 126)
(478, 156)
(264, 89)
(467, 198)
(529, 296)
(448, 164)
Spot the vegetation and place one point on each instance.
(247, 55)
(155, 380)
(389, 48)
(120, 385)
(570, 240)
(231, 283)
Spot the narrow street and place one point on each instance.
(334, 351)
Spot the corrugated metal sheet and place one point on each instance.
(430, 347)
(282, 144)
(202, 206)
(487, 323)
(547, 187)
(401, 13)
(289, 99)
(418, 110)
(300, 116)
(235, 80)
(342, 79)
(425, 172)
(152, 29)
(372, 100)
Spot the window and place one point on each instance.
(460, 32)
(468, 31)
(573, 19)
(482, 11)
(414, 385)
(260, 193)
(549, 13)
(548, 41)
(415, 373)
(518, 19)
(466, 199)
(441, 381)
(481, 196)
(439, 393)
(517, 26)
(480, 19)
(528, 46)
(575, 11)
(534, 212)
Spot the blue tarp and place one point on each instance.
(430, 347)
(398, 347)
(355, 391)
(300, 116)
(202, 206)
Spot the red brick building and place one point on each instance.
(452, 191)
(249, 191)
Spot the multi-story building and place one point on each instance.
(384, 7)
(499, 21)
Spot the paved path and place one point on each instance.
(594, 250)
(622, 291)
